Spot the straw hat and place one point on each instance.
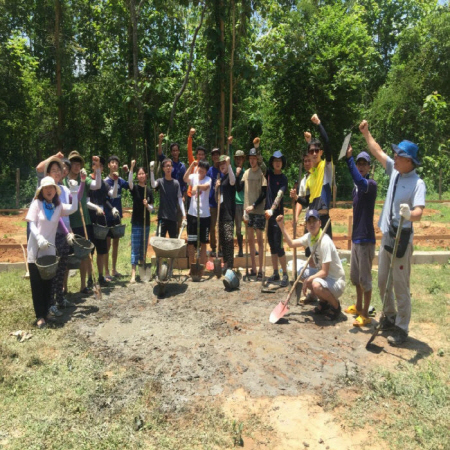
(75, 156)
(52, 160)
(47, 181)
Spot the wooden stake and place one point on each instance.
(349, 232)
(17, 187)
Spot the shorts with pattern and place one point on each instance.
(192, 229)
(257, 221)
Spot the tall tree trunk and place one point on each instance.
(222, 78)
(233, 46)
(60, 127)
(188, 70)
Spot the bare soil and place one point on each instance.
(203, 344)
(12, 231)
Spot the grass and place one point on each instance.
(57, 392)
(409, 405)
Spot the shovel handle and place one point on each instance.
(306, 264)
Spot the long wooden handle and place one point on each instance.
(306, 264)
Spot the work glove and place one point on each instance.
(42, 243)
(83, 172)
(152, 166)
(150, 208)
(100, 211)
(115, 212)
(69, 238)
(268, 213)
(405, 211)
(73, 186)
(184, 223)
(246, 217)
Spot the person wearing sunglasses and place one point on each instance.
(321, 174)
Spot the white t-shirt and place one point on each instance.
(325, 253)
(204, 196)
(47, 228)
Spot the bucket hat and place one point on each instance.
(407, 149)
(75, 156)
(53, 159)
(280, 155)
(47, 181)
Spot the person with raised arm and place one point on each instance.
(405, 198)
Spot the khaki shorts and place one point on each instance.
(361, 265)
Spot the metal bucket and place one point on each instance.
(231, 280)
(47, 266)
(118, 231)
(100, 231)
(73, 262)
(82, 247)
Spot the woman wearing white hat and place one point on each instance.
(43, 215)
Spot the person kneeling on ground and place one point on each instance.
(327, 278)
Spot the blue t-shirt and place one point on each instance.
(212, 173)
(364, 197)
(116, 202)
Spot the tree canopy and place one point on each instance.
(105, 76)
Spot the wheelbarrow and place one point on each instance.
(166, 250)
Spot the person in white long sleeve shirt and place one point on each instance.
(43, 216)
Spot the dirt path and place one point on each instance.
(202, 343)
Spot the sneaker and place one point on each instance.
(54, 311)
(90, 283)
(284, 281)
(398, 337)
(240, 254)
(387, 324)
(274, 278)
(66, 304)
(102, 281)
(259, 276)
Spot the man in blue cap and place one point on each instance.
(405, 197)
(325, 276)
(363, 235)
(276, 182)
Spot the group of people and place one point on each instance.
(221, 196)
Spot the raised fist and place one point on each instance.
(192, 132)
(307, 135)
(161, 137)
(115, 176)
(364, 127)
(256, 142)
(315, 119)
(230, 140)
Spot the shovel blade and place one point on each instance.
(196, 271)
(218, 268)
(278, 312)
(145, 272)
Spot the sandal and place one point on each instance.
(86, 291)
(362, 321)
(332, 313)
(352, 310)
(321, 308)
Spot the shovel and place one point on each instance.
(247, 276)
(217, 260)
(197, 268)
(27, 274)
(282, 307)
(96, 287)
(265, 289)
(145, 272)
(388, 282)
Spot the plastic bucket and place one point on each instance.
(100, 231)
(231, 280)
(47, 266)
(82, 247)
(73, 262)
(118, 231)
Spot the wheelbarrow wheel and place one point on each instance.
(163, 271)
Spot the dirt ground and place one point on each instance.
(12, 231)
(203, 344)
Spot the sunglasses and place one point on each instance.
(312, 151)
